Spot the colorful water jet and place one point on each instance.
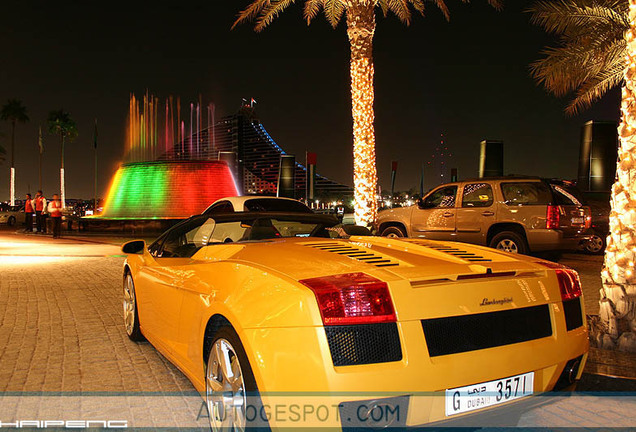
(167, 189)
(156, 130)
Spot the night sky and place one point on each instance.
(467, 79)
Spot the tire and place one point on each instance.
(596, 244)
(509, 241)
(242, 411)
(11, 221)
(131, 314)
(393, 232)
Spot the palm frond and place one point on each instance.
(401, 10)
(312, 9)
(270, 12)
(594, 89)
(251, 12)
(590, 57)
(334, 9)
(563, 16)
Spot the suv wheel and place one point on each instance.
(509, 241)
(11, 221)
(393, 232)
(596, 244)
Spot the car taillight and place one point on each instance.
(552, 217)
(354, 298)
(569, 281)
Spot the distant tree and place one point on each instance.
(597, 51)
(60, 123)
(13, 112)
(360, 17)
(3, 152)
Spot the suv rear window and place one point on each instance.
(526, 193)
(275, 205)
(566, 196)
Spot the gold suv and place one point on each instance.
(513, 214)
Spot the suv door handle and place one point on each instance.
(488, 213)
(448, 214)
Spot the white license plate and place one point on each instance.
(578, 220)
(464, 399)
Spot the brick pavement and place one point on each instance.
(61, 324)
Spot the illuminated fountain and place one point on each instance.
(170, 172)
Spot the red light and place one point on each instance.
(354, 298)
(569, 281)
(552, 217)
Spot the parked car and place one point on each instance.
(289, 306)
(12, 215)
(513, 214)
(257, 204)
(599, 202)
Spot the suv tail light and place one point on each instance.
(569, 282)
(353, 298)
(552, 217)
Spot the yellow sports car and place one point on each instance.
(288, 320)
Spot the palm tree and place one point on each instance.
(60, 123)
(13, 111)
(360, 18)
(597, 51)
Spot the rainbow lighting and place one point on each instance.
(167, 189)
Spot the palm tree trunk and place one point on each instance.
(62, 184)
(12, 181)
(618, 296)
(360, 29)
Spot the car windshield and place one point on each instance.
(275, 205)
(185, 238)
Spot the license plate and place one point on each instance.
(464, 399)
(578, 220)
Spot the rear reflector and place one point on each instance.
(354, 298)
(552, 217)
(569, 282)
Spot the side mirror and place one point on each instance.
(422, 204)
(134, 247)
(356, 230)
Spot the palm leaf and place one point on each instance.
(312, 9)
(251, 12)
(270, 12)
(595, 88)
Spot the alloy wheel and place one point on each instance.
(225, 388)
(129, 305)
(595, 244)
(508, 245)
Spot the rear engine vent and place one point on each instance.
(364, 344)
(468, 256)
(355, 253)
(464, 333)
(573, 314)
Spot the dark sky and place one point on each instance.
(467, 79)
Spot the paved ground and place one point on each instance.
(61, 330)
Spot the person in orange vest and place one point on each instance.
(40, 209)
(28, 214)
(55, 210)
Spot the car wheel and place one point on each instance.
(131, 315)
(596, 244)
(230, 387)
(393, 232)
(509, 241)
(11, 221)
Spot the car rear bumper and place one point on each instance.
(548, 239)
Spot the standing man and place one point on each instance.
(40, 206)
(28, 214)
(55, 210)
